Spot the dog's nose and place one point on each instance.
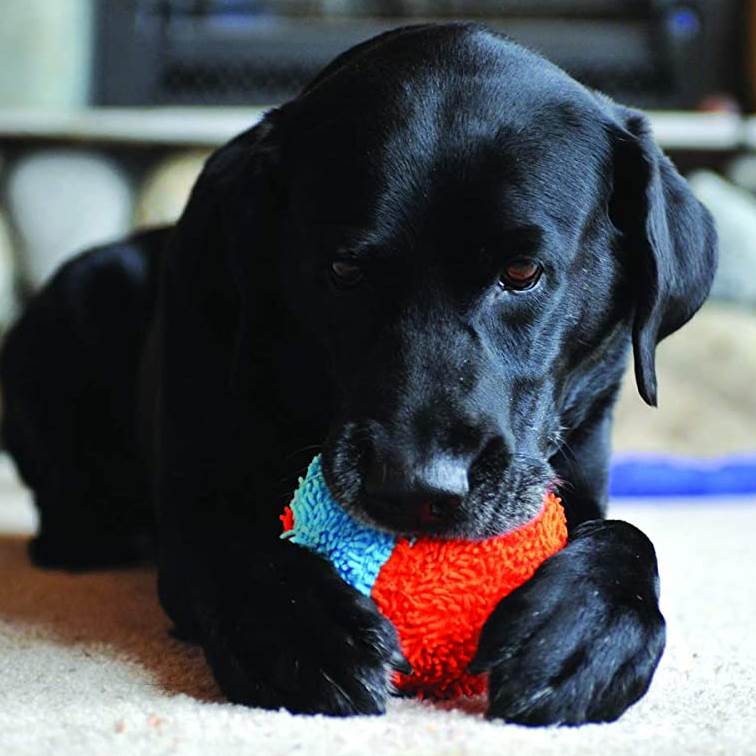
(429, 493)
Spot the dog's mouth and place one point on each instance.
(505, 492)
(425, 517)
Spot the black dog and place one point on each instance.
(432, 265)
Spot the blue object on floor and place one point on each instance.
(658, 475)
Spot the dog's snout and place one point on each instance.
(427, 493)
(445, 476)
(421, 465)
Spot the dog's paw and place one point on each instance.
(298, 637)
(581, 640)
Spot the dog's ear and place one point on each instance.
(220, 273)
(669, 241)
(218, 279)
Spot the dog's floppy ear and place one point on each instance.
(219, 272)
(668, 240)
(218, 279)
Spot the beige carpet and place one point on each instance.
(86, 666)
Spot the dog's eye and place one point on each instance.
(346, 273)
(520, 274)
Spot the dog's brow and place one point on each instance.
(374, 240)
(517, 238)
(347, 238)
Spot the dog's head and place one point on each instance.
(473, 240)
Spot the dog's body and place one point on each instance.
(432, 264)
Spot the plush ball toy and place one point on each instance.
(438, 593)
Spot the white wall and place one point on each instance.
(45, 52)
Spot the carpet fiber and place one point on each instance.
(88, 667)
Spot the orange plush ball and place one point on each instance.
(438, 593)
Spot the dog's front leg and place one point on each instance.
(581, 640)
(279, 627)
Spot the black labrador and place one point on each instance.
(431, 265)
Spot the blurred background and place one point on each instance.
(109, 107)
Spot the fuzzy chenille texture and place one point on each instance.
(437, 592)
(315, 520)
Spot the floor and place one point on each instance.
(88, 668)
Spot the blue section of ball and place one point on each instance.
(320, 524)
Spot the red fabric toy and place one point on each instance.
(438, 593)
